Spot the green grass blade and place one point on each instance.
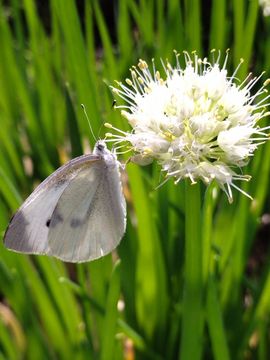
(215, 323)
(110, 320)
(218, 25)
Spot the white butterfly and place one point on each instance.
(77, 214)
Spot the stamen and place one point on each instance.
(197, 122)
(110, 126)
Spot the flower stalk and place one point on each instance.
(192, 312)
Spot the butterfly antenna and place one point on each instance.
(103, 122)
(90, 127)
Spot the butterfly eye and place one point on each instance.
(100, 147)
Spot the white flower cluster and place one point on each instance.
(265, 4)
(195, 120)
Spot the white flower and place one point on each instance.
(197, 121)
(265, 4)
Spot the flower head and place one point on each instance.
(265, 4)
(196, 121)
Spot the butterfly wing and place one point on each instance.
(29, 227)
(89, 219)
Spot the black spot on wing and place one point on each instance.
(48, 222)
(74, 223)
(56, 219)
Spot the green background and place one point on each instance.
(58, 54)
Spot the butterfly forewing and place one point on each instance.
(89, 218)
(29, 227)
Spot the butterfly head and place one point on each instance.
(102, 150)
(100, 147)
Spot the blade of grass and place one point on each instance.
(207, 226)
(110, 320)
(249, 31)
(193, 26)
(215, 323)
(106, 42)
(238, 24)
(218, 25)
(77, 69)
(150, 272)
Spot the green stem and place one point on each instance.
(192, 318)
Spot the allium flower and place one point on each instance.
(265, 4)
(197, 122)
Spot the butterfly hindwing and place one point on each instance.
(89, 218)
